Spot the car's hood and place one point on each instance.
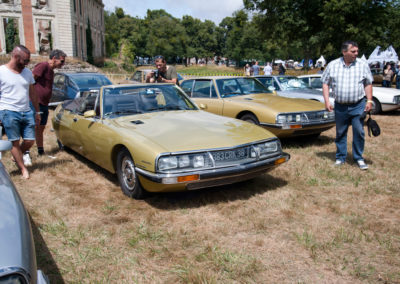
(279, 104)
(302, 91)
(385, 95)
(175, 131)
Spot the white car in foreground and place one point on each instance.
(385, 99)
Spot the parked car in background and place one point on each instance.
(17, 248)
(385, 99)
(68, 86)
(156, 139)
(139, 76)
(291, 87)
(248, 99)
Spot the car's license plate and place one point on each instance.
(230, 155)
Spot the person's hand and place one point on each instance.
(37, 118)
(328, 106)
(368, 107)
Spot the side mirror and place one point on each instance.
(203, 106)
(5, 145)
(89, 113)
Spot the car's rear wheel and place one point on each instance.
(250, 118)
(127, 176)
(376, 106)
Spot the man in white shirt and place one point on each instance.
(268, 69)
(16, 88)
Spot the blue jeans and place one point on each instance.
(18, 124)
(346, 115)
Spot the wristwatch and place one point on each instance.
(39, 112)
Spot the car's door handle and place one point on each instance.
(75, 119)
(203, 106)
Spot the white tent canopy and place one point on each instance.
(364, 58)
(381, 56)
(321, 61)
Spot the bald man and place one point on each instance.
(16, 89)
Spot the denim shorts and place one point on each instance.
(18, 124)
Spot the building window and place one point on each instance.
(76, 40)
(11, 33)
(74, 2)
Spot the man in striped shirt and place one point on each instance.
(351, 81)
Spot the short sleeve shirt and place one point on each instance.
(347, 82)
(14, 89)
(44, 82)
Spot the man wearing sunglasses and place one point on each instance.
(44, 75)
(164, 73)
(18, 119)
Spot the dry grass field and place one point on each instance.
(304, 222)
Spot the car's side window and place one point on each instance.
(137, 76)
(59, 81)
(87, 103)
(187, 87)
(305, 80)
(316, 83)
(213, 92)
(202, 89)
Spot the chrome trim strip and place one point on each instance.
(205, 151)
(216, 172)
(280, 126)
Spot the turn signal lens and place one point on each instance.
(188, 178)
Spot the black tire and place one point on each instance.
(61, 146)
(128, 179)
(250, 118)
(376, 107)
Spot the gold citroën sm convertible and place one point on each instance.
(156, 139)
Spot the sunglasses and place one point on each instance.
(159, 57)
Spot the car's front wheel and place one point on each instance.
(127, 176)
(250, 118)
(376, 107)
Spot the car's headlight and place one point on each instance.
(168, 163)
(289, 118)
(265, 149)
(184, 162)
(329, 115)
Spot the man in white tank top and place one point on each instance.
(16, 90)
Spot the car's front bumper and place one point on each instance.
(211, 177)
(300, 129)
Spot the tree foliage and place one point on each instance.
(12, 35)
(263, 30)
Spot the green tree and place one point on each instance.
(89, 43)
(12, 36)
(306, 28)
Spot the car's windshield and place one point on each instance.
(240, 86)
(291, 83)
(143, 99)
(90, 80)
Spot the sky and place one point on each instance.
(214, 10)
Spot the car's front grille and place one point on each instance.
(396, 100)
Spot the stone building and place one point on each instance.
(42, 25)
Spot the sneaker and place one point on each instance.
(27, 160)
(362, 165)
(339, 163)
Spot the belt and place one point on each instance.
(347, 104)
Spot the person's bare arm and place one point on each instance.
(325, 92)
(368, 94)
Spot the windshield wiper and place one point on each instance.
(231, 94)
(125, 111)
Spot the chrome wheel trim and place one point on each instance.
(128, 173)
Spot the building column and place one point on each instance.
(27, 20)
